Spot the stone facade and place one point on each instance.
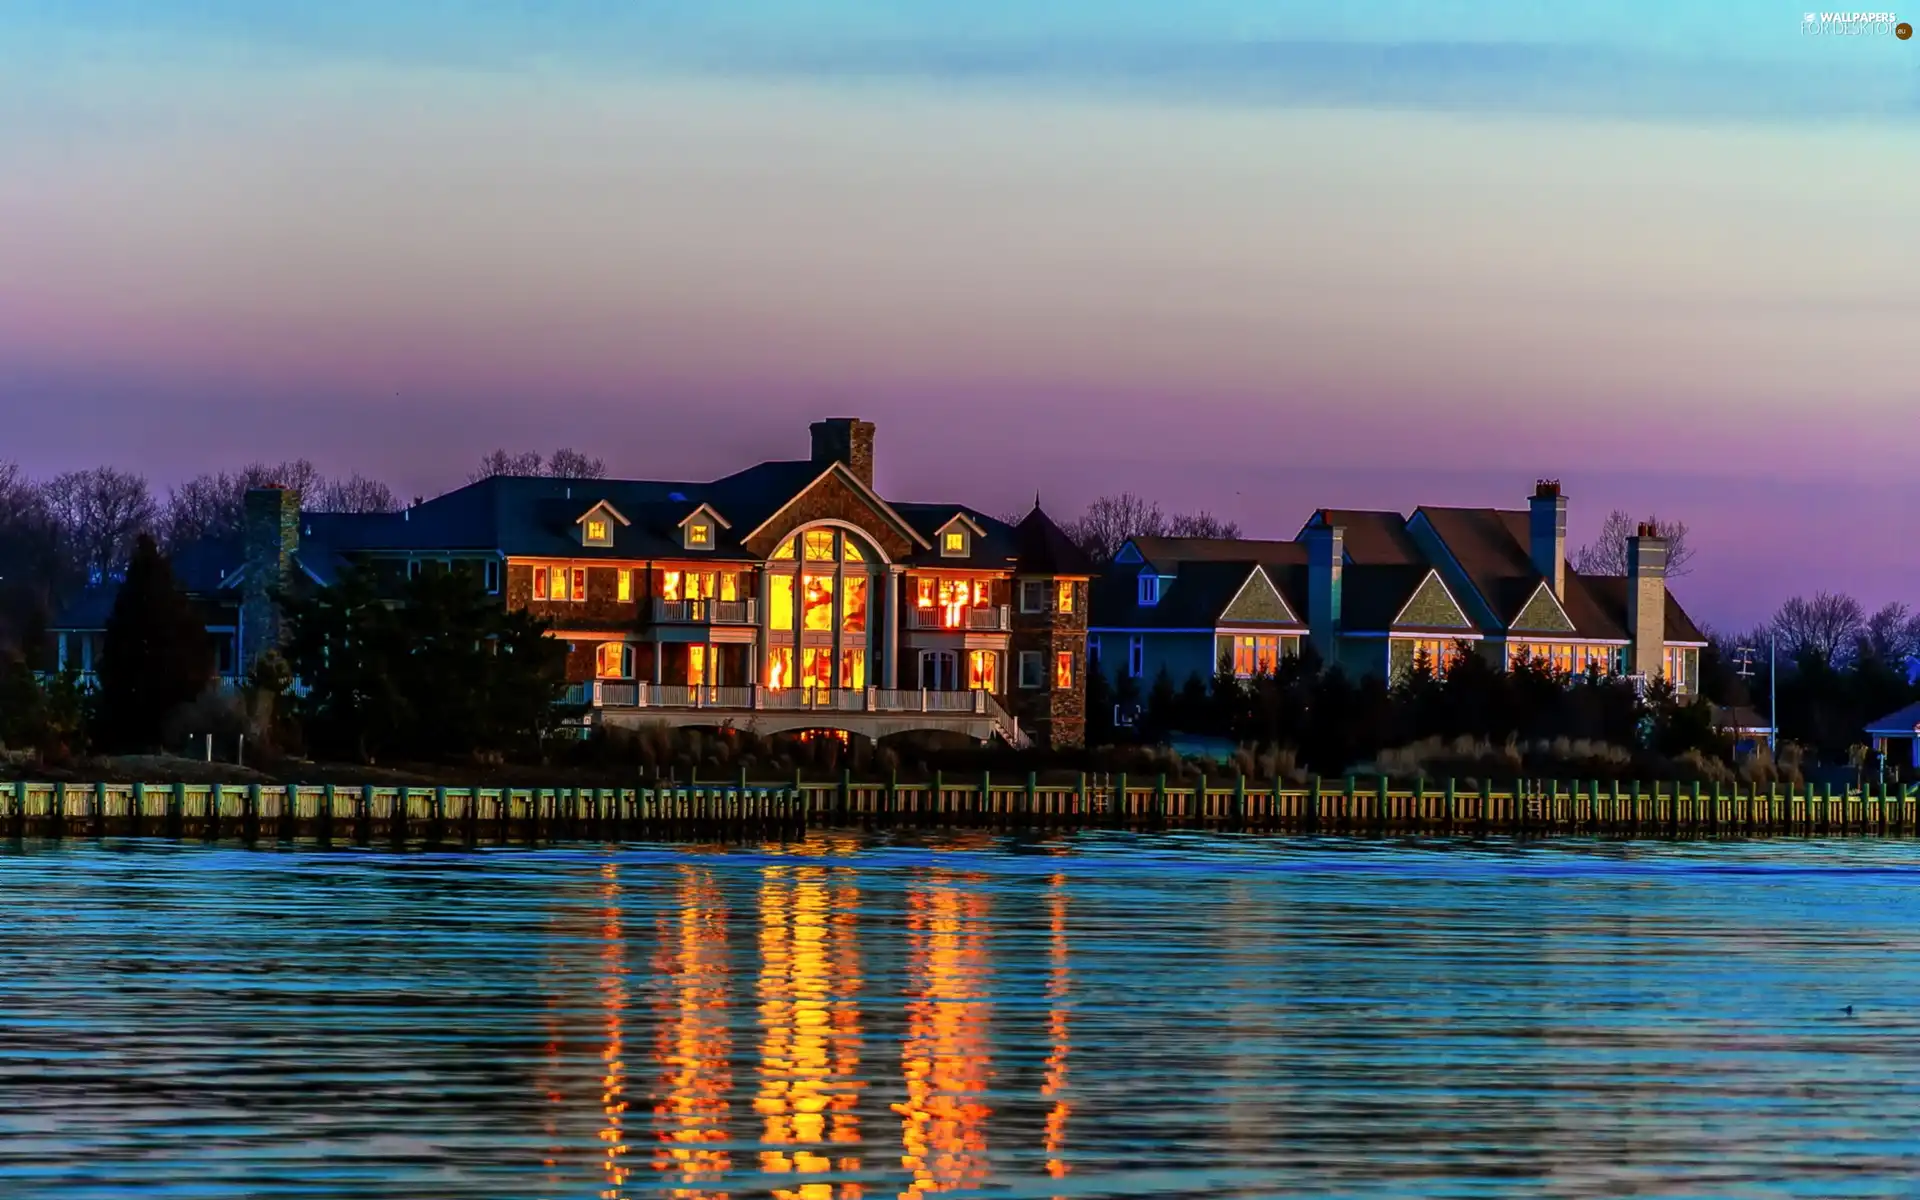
(602, 609)
(832, 498)
(1541, 615)
(1051, 715)
(270, 538)
(1257, 601)
(1647, 603)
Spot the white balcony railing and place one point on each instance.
(628, 694)
(994, 619)
(705, 612)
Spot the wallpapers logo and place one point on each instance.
(1854, 24)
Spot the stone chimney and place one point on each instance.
(1547, 534)
(846, 440)
(269, 539)
(1326, 562)
(1647, 602)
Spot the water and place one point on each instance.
(1097, 1015)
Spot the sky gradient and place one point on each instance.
(1254, 256)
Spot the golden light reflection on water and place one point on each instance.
(1059, 1040)
(810, 1028)
(692, 1050)
(613, 1000)
(943, 1129)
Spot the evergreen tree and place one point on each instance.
(1161, 715)
(1099, 707)
(157, 656)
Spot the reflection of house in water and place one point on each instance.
(692, 1049)
(810, 1030)
(946, 1060)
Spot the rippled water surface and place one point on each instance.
(1103, 1015)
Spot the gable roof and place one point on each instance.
(1164, 553)
(1372, 595)
(845, 474)
(1256, 592)
(1194, 598)
(1902, 723)
(1371, 538)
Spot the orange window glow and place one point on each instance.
(699, 665)
(850, 552)
(784, 549)
(956, 542)
(699, 534)
(625, 585)
(579, 583)
(780, 667)
(818, 545)
(853, 669)
(853, 605)
(1063, 670)
(729, 586)
(983, 670)
(923, 592)
(670, 586)
(780, 597)
(817, 603)
(1064, 602)
(613, 661)
(539, 583)
(597, 530)
(816, 668)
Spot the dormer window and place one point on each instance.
(955, 542)
(701, 528)
(596, 526)
(955, 538)
(1149, 590)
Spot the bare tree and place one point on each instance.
(29, 559)
(214, 504)
(566, 463)
(1110, 521)
(1824, 626)
(1202, 524)
(1892, 634)
(1607, 553)
(98, 515)
(502, 463)
(355, 494)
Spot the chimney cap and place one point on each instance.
(1546, 488)
(1648, 529)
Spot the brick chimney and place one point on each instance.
(1326, 562)
(1647, 602)
(846, 440)
(269, 538)
(1547, 534)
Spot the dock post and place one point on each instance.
(983, 799)
(1381, 807)
(1118, 806)
(1028, 800)
(1239, 799)
(1160, 799)
(100, 809)
(1313, 805)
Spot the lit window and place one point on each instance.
(670, 589)
(699, 534)
(818, 544)
(1255, 654)
(539, 583)
(780, 667)
(625, 586)
(1032, 669)
(1063, 597)
(613, 660)
(729, 586)
(853, 669)
(1136, 655)
(853, 605)
(1149, 590)
(816, 668)
(784, 549)
(700, 665)
(953, 542)
(780, 598)
(597, 530)
(817, 603)
(983, 670)
(557, 582)
(1063, 671)
(849, 551)
(923, 592)
(579, 584)
(1033, 596)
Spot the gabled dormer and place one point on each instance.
(596, 524)
(700, 529)
(1153, 585)
(955, 538)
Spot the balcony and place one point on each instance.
(997, 619)
(705, 612)
(605, 696)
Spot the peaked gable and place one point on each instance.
(1129, 553)
(1542, 613)
(1431, 606)
(711, 512)
(837, 494)
(1258, 600)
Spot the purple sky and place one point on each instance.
(1078, 268)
